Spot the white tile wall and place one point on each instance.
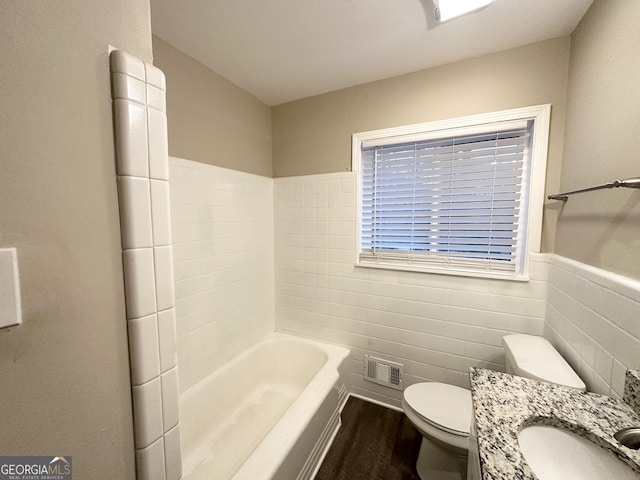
(172, 455)
(163, 265)
(139, 282)
(135, 212)
(437, 325)
(593, 319)
(223, 263)
(143, 196)
(131, 132)
(147, 412)
(167, 339)
(150, 461)
(143, 339)
(170, 412)
(160, 212)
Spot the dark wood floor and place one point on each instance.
(374, 443)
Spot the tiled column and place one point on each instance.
(143, 193)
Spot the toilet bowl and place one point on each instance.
(442, 413)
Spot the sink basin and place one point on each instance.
(629, 437)
(554, 453)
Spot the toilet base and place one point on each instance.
(439, 462)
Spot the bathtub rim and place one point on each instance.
(328, 348)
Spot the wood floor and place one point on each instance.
(374, 443)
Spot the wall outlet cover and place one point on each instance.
(10, 307)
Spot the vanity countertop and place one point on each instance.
(505, 404)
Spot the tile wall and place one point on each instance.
(140, 124)
(436, 325)
(593, 319)
(223, 254)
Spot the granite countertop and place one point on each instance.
(505, 404)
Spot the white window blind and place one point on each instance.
(447, 200)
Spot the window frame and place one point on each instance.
(539, 114)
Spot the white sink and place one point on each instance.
(553, 453)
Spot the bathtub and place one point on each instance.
(270, 413)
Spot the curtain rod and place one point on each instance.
(627, 182)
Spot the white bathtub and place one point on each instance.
(270, 413)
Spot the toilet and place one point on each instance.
(442, 413)
(534, 357)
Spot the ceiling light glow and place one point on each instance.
(448, 9)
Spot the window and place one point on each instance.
(460, 196)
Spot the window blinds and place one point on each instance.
(453, 202)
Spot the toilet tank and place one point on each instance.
(534, 357)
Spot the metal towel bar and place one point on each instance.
(627, 182)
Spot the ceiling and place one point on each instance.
(283, 50)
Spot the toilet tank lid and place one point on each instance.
(534, 357)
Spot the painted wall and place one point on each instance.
(210, 119)
(64, 373)
(313, 135)
(222, 228)
(603, 139)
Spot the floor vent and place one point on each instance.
(383, 372)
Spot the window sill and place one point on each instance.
(458, 272)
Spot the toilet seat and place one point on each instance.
(446, 407)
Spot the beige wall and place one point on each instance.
(210, 120)
(313, 135)
(603, 139)
(64, 373)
